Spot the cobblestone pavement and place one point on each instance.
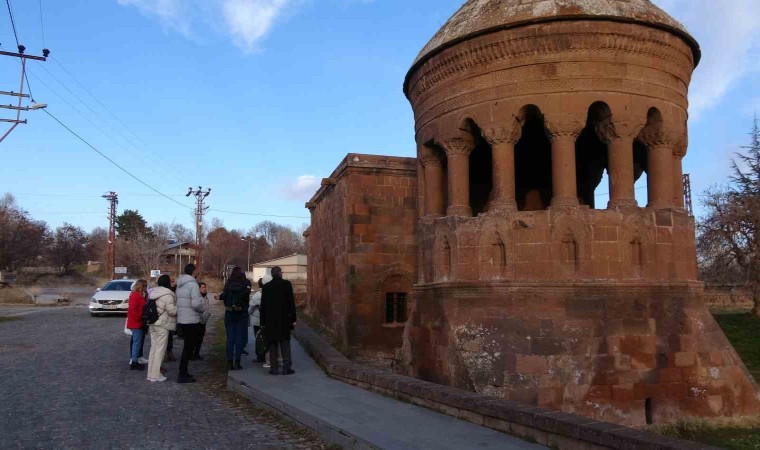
(65, 383)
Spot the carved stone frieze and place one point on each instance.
(510, 46)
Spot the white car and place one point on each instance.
(112, 298)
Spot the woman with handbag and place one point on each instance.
(166, 305)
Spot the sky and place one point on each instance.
(261, 99)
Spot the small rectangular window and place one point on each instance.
(395, 307)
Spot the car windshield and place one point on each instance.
(118, 286)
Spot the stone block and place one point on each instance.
(528, 364)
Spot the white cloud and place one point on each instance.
(303, 188)
(246, 22)
(729, 34)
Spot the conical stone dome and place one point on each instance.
(477, 17)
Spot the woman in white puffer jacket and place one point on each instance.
(166, 304)
(254, 310)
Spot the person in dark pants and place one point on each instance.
(170, 342)
(278, 317)
(236, 296)
(196, 356)
(190, 309)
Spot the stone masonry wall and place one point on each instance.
(374, 248)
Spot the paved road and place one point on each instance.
(65, 383)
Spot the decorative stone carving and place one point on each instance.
(564, 125)
(458, 146)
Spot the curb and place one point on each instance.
(551, 428)
(327, 432)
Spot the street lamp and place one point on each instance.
(248, 267)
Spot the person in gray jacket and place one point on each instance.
(190, 310)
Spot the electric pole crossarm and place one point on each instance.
(15, 121)
(23, 55)
(14, 94)
(18, 108)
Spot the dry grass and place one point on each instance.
(8, 319)
(736, 433)
(15, 296)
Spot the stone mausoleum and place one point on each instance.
(486, 264)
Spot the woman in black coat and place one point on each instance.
(278, 316)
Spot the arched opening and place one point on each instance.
(533, 162)
(640, 169)
(591, 153)
(440, 153)
(481, 170)
(641, 153)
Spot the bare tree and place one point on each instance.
(181, 233)
(68, 246)
(727, 235)
(145, 250)
(22, 240)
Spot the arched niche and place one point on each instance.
(481, 168)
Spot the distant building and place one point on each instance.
(176, 256)
(293, 268)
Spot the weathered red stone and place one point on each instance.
(518, 285)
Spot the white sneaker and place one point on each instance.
(267, 365)
(142, 360)
(157, 380)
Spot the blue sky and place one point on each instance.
(260, 99)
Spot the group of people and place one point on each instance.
(182, 308)
(271, 311)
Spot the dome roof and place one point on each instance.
(482, 16)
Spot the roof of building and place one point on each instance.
(278, 261)
(173, 245)
(482, 16)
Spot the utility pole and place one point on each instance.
(200, 210)
(687, 194)
(20, 94)
(113, 200)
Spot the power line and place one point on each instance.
(241, 213)
(13, 22)
(114, 162)
(152, 161)
(42, 25)
(89, 92)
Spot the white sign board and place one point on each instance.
(120, 270)
(155, 273)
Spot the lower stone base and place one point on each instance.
(623, 353)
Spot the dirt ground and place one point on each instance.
(15, 296)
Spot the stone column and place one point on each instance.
(458, 151)
(563, 130)
(620, 159)
(678, 194)
(503, 142)
(433, 166)
(661, 144)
